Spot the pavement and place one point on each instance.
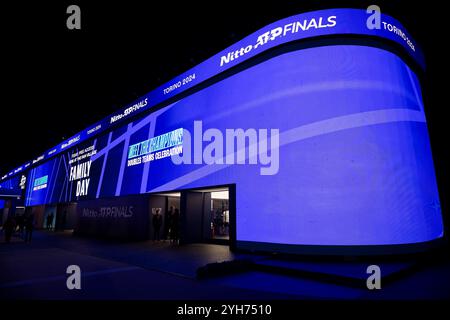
(112, 270)
(164, 271)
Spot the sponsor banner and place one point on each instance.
(126, 217)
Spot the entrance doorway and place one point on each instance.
(167, 206)
(66, 216)
(205, 215)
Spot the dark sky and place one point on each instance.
(56, 82)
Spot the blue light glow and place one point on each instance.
(355, 160)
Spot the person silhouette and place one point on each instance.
(175, 225)
(157, 222)
(8, 227)
(29, 225)
(168, 223)
(49, 221)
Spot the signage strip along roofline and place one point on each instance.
(301, 26)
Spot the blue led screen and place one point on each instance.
(12, 184)
(69, 177)
(354, 163)
(306, 25)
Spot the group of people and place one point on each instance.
(171, 225)
(19, 224)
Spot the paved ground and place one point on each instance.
(147, 270)
(111, 270)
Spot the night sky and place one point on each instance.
(57, 81)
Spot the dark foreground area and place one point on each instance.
(164, 271)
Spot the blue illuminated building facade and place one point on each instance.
(337, 154)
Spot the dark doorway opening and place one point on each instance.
(164, 216)
(49, 218)
(66, 216)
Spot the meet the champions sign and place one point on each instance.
(159, 147)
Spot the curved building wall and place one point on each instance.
(353, 166)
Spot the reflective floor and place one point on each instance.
(161, 270)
